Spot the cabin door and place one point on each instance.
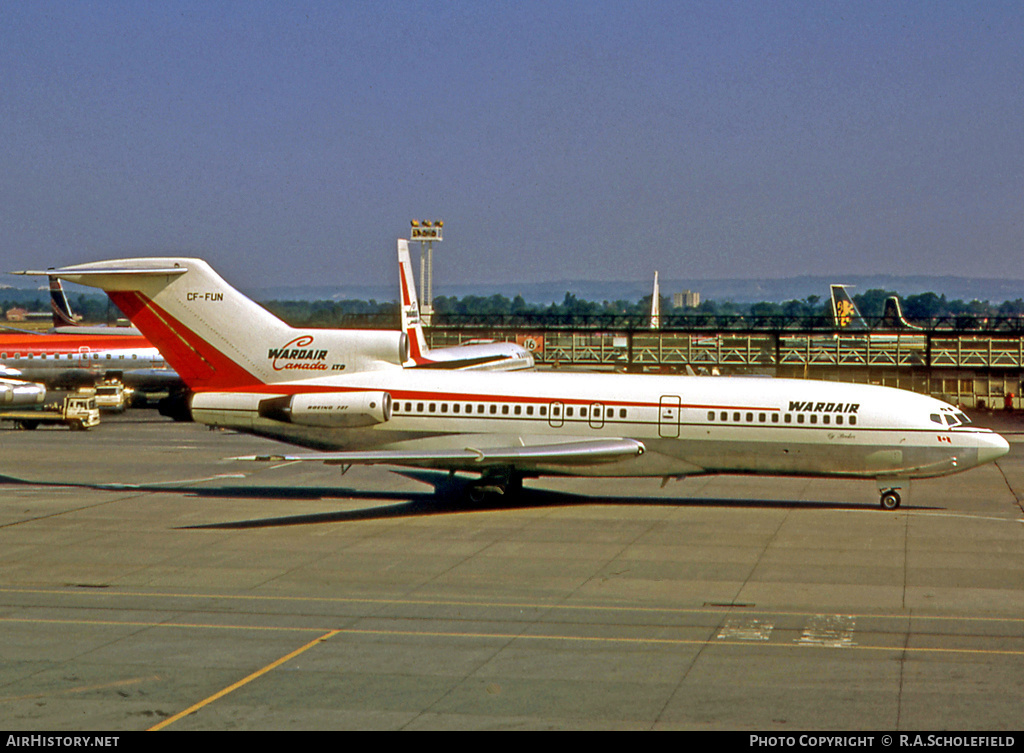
(668, 416)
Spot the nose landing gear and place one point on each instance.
(890, 491)
(890, 500)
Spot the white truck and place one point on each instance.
(77, 412)
(112, 395)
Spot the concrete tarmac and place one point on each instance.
(146, 583)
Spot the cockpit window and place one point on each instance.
(936, 418)
(963, 417)
(951, 420)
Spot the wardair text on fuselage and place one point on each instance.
(799, 406)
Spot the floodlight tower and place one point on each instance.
(426, 231)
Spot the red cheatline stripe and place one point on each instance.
(459, 397)
(44, 343)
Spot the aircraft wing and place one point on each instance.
(471, 458)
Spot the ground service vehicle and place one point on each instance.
(77, 412)
(113, 396)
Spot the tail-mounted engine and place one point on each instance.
(332, 409)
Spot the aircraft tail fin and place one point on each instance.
(217, 338)
(656, 304)
(892, 317)
(62, 315)
(845, 314)
(412, 326)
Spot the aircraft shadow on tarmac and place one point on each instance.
(447, 497)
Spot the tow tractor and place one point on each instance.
(77, 412)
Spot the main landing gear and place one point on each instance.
(494, 484)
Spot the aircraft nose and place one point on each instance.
(993, 447)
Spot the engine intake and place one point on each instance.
(332, 409)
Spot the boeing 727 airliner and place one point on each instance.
(346, 394)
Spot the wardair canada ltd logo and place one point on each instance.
(297, 356)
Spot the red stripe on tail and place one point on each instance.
(200, 365)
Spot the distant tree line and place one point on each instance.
(347, 313)
(355, 313)
(929, 305)
(923, 306)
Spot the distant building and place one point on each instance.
(16, 314)
(688, 299)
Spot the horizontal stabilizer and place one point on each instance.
(85, 271)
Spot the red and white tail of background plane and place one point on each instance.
(71, 355)
(348, 394)
(492, 356)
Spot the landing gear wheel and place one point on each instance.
(479, 492)
(495, 486)
(890, 500)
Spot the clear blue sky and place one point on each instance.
(291, 142)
